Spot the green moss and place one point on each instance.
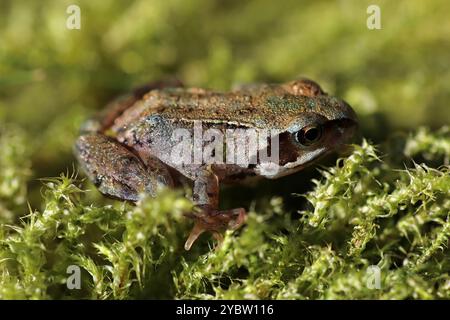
(15, 169)
(364, 213)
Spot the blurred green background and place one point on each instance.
(52, 78)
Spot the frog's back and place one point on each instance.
(188, 105)
(258, 108)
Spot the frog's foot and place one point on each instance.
(214, 221)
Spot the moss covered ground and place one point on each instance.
(382, 205)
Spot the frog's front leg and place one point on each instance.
(208, 217)
(116, 170)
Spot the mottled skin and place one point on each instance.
(126, 150)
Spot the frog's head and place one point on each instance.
(322, 124)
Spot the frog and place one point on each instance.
(125, 149)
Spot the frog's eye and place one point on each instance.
(309, 135)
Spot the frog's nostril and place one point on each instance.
(347, 112)
(347, 123)
(347, 128)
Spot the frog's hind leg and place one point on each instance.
(117, 171)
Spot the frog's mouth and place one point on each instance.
(272, 170)
(337, 133)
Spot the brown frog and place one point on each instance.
(155, 137)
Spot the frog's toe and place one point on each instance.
(238, 217)
(215, 221)
(197, 230)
